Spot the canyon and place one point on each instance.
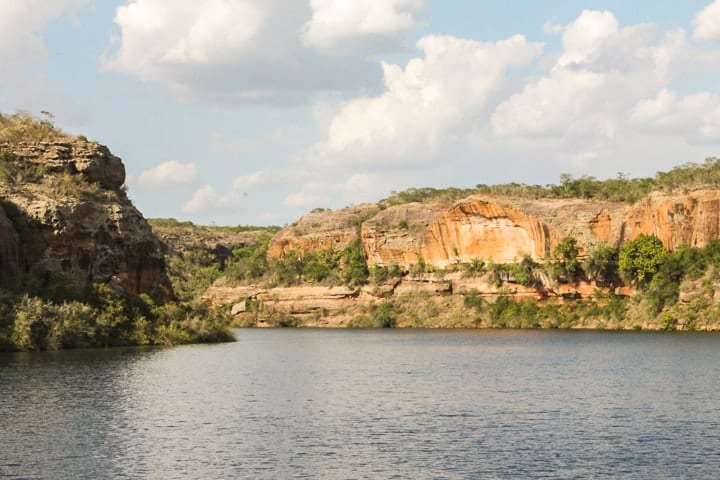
(444, 236)
(502, 229)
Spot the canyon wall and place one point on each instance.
(66, 218)
(503, 229)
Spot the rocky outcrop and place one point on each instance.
(476, 228)
(322, 229)
(398, 234)
(504, 229)
(8, 244)
(92, 160)
(74, 220)
(691, 218)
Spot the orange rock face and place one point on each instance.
(503, 229)
(321, 230)
(397, 235)
(478, 229)
(691, 219)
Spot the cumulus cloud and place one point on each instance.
(253, 50)
(168, 174)
(207, 199)
(357, 187)
(707, 23)
(334, 22)
(602, 71)
(265, 178)
(422, 103)
(552, 28)
(695, 117)
(23, 23)
(587, 108)
(23, 83)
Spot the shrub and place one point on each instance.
(354, 262)
(641, 258)
(525, 272)
(473, 300)
(601, 265)
(383, 315)
(475, 268)
(565, 254)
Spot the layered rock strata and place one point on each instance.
(504, 229)
(65, 203)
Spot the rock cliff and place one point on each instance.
(691, 218)
(66, 218)
(504, 229)
(321, 230)
(8, 245)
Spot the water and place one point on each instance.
(346, 404)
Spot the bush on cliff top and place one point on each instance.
(620, 188)
(23, 127)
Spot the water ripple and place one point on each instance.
(369, 404)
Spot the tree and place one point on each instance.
(565, 254)
(355, 269)
(601, 264)
(641, 258)
(524, 271)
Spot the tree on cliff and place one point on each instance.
(601, 264)
(640, 259)
(565, 254)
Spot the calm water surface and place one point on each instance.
(346, 404)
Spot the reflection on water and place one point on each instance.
(370, 404)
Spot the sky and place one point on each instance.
(254, 112)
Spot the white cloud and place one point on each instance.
(694, 117)
(423, 104)
(335, 21)
(23, 83)
(167, 174)
(600, 74)
(244, 51)
(552, 28)
(22, 24)
(707, 23)
(342, 189)
(306, 199)
(267, 178)
(208, 199)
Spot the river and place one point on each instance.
(371, 404)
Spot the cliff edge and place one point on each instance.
(65, 219)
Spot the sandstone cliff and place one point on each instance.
(321, 230)
(64, 201)
(504, 229)
(691, 218)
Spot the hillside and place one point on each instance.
(80, 264)
(429, 257)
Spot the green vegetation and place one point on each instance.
(23, 127)
(620, 189)
(641, 258)
(381, 315)
(565, 256)
(601, 265)
(426, 195)
(104, 318)
(192, 271)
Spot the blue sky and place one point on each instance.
(257, 111)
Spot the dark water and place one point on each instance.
(345, 404)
